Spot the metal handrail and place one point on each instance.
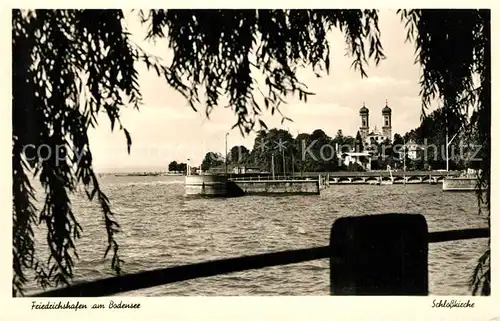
(265, 178)
(314, 175)
(164, 276)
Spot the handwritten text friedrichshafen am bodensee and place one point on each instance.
(67, 305)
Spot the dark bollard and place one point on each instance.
(382, 254)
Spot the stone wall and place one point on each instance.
(279, 187)
(206, 185)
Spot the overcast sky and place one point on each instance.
(166, 129)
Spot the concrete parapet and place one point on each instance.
(206, 185)
(269, 187)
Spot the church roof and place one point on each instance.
(386, 109)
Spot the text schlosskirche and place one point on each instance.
(452, 304)
(68, 305)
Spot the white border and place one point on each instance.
(240, 308)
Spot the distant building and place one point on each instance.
(361, 158)
(232, 169)
(375, 136)
(217, 170)
(415, 151)
(245, 169)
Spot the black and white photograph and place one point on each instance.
(250, 152)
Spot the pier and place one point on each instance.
(285, 185)
(394, 177)
(224, 186)
(368, 177)
(217, 185)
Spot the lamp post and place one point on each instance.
(448, 143)
(404, 162)
(272, 165)
(227, 134)
(283, 157)
(188, 168)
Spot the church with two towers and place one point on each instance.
(375, 136)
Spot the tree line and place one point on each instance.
(318, 152)
(177, 167)
(431, 135)
(307, 152)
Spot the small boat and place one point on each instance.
(467, 181)
(460, 184)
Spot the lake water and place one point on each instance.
(161, 228)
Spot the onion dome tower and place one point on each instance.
(365, 125)
(387, 127)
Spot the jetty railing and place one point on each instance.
(268, 178)
(384, 254)
(371, 173)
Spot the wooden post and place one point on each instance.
(272, 164)
(383, 254)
